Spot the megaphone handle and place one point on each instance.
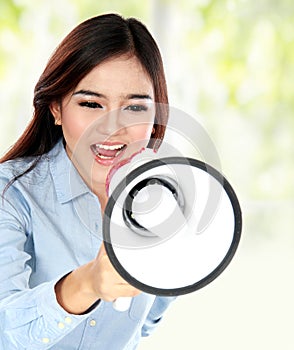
(122, 303)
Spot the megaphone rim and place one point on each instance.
(221, 266)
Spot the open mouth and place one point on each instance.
(107, 152)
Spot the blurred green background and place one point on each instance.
(231, 64)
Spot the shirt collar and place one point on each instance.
(67, 181)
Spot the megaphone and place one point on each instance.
(172, 224)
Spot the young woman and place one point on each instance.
(56, 281)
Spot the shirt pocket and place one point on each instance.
(140, 306)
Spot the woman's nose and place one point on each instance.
(110, 123)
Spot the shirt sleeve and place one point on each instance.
(155, 314)
(33, 319)
(30, 318)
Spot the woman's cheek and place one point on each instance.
(141, 132)
(76, 129)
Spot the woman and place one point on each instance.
(56, 281)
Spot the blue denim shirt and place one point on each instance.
(50, 223)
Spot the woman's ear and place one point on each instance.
(55, 109)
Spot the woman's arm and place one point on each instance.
(96, 280)
(30, 318)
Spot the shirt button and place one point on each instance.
(92, 323)
(61, 325)
(67, 320)
(45, 340)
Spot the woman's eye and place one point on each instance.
(90, 104)
(137, 108)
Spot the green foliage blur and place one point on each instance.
(229, 61)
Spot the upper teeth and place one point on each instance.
(110, 147)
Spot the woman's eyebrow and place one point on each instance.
(139, 96)
(89, 93)
(127, 97)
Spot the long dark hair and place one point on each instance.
(90, 43)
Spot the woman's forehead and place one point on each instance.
(123, 73)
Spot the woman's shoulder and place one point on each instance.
(35, 164)
(34, 169)
(11, 168)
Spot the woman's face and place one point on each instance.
(107, 118)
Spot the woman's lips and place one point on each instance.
(119, 165)
(107, 153)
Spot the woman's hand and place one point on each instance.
(98, 279)
(107, 283)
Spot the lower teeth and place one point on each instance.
(106, 157)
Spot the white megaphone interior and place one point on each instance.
(189, 243)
